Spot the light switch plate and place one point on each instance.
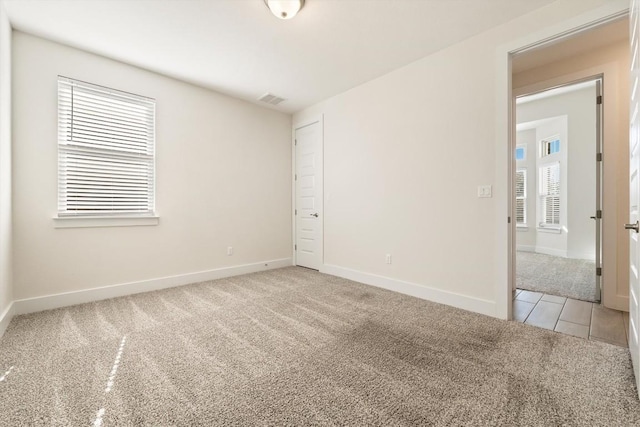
(484, 191)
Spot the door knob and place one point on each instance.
(635, 227)
(314, 214)
(592, 217)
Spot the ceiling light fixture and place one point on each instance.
(284, 9)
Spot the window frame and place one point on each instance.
(542, 198)
(102, 152)
(549, 142)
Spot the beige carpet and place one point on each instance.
(565, 277)
(295, 347)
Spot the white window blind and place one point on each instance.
(106, 151)
(521, 196)
(550, 195)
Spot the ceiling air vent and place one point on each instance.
(270, 98)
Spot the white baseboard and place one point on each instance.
(589, 256)
(48, 302)
(551, 251)
(554, 252)
(5, 318)
(464, 302)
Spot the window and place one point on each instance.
(106, 151)
(550, 195)
(549, 146)
(521, 152)
(521, 197)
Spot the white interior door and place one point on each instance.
(308, 197)
(634, 195)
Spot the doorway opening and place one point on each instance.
(558, 177)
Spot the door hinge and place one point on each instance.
(598, 271)
(296, 176)
(295, 142)
(599, 213)
(598, 157)
(296, 212)
(295, 247)
(508, 220)
(599, 99)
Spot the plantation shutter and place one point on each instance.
(106, 151)
(550, 194)
(521, 194)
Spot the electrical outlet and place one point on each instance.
(484, 191)
(229, 250)
(388, 259)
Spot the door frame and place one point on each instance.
(559, 82)
(505, 135)
(295, 126)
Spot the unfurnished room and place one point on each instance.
(319, 212)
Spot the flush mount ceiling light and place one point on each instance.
(284, 9)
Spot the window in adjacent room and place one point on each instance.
(549, 190)
(521, 198)
(549, 146)
(106, 152)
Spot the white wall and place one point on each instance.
(613, 63)
(582, 178)
(6, 294)
(404, 155)
(223, 179)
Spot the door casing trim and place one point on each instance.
(505, 135)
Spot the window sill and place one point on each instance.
(553, 230)
(104, 221)
(522, 228)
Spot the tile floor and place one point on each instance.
(573, 317)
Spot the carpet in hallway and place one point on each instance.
(566, 277)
